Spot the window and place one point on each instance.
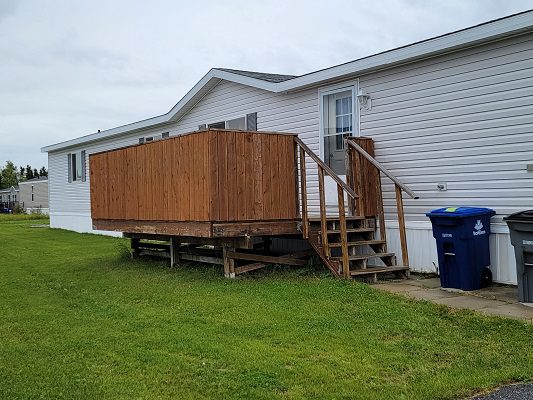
(165, 135)
(237, 124)
(141, 140)
(32, 198)
(217, 125)
(337, 120)
(76, 166)
(246, 123)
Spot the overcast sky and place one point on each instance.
(69, 68)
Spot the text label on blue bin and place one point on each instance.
(478, 229)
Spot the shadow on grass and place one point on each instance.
(202, 271)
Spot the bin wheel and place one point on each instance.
(486, 278)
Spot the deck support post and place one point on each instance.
(174, 252)
(229, 263)
(134, 252)
(267, 243)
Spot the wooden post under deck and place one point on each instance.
(229, 263)
(134, 248)
(174, 252)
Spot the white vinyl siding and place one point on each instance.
(464, 119)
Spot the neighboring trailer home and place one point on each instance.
(450, 117)
(33, 195)
(9, 197)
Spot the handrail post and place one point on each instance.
(359, 185)
(381, 213)
(401, 222)
(323, 219)
(344, 242)
(350, 178)
(303, 190)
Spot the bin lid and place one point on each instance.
(461, 212)
(522, 216)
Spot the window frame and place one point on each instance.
(73, 166)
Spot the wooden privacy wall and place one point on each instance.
(214, 175)
(366, 183)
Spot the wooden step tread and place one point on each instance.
(365, 256)
(359, 243)
(377, 270)
(348, 218)
(350, 230)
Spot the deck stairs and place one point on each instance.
(367, 255)
(350, 242)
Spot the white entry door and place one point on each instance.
(337, 120)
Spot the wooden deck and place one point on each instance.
(220, 196)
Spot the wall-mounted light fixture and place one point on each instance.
(365, 102)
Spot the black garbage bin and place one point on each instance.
(521, 230)
(462, 236)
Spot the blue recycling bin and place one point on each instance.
(462, 235)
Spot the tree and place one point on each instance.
(9, 175)
(43, 172)
(22, 173)
(29, 172)
(35, 173)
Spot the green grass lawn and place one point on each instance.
(78, 319)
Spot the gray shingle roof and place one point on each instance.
(276, 78)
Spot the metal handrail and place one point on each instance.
(379, 166)
(326, 168)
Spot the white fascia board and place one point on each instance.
(466, 37)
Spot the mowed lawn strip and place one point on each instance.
(81, 320)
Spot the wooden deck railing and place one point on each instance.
(356, 171)
(342, 188)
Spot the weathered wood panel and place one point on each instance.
(369, 176)
(214, 175)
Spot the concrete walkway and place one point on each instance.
(497, 299)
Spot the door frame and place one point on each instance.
(352, 85)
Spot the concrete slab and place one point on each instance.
(516, 311)
(501, 300)
(398, 287)
(430, 283)
(469, 302)
(508, 294)
(430, 294)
